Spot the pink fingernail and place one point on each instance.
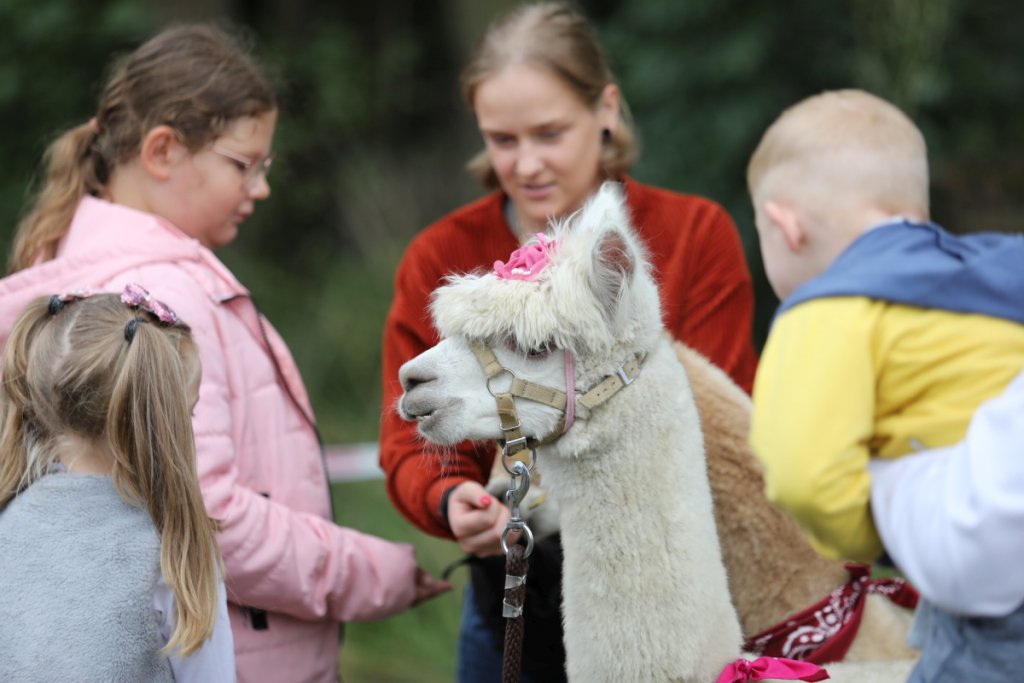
(485, 500)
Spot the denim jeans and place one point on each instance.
(957, 649)
(479, 657)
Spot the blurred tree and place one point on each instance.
(53, 56)
(974, 127)
(899, 48)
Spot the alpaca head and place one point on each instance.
(586, 295)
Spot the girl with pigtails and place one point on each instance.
(110, 563)
(166, 171)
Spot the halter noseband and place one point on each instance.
(513, 440)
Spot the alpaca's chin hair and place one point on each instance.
(449, 426)
(436, 429)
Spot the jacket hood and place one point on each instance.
(105, 240)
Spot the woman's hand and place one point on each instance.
(477, 519)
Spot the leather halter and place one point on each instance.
(513, 440)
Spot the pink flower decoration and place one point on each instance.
(528, 261)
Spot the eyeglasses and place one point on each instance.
(251, 169)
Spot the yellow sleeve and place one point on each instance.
(813, 418)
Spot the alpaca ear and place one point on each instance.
(614, 265)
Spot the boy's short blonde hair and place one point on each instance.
(839, 144)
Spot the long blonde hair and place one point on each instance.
(74, 368)
(194, 78)
(558, 39)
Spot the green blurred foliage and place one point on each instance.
(373, 140)
(50, 72)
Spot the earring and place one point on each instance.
(606, 136)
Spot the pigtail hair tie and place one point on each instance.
(56, 304)
(58, 301)
(129, 329)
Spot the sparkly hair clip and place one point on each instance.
(57, 301)
(137, 297)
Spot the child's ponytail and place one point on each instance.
(150, 429)
(16, 403)
(74, 168)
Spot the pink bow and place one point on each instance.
(743, 670)
(137, 297)
(527, 262)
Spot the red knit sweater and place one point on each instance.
(706, 296)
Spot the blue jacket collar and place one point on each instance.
(920, 264)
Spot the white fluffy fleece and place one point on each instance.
(646, 598)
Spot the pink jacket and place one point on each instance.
(259, 456)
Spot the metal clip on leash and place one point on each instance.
(519, 486)
(516, 566)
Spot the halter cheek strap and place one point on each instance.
(511, 428)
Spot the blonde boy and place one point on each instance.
(891, 331)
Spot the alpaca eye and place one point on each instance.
(539, 352)
(536, 353)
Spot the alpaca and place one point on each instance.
(645, 592)
(773, 570)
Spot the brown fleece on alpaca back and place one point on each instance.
(773, 569)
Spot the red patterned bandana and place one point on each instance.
(823, 632)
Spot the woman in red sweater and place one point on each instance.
(554, 126)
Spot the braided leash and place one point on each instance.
(516, 566)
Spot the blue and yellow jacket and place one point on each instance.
(889, 351)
